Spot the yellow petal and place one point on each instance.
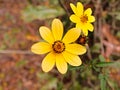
(41, 48)
(73, 7)
(76, 49)
(74, 18)
(91, 19)
(46, 34)
(90, 26)
(83, 28)
(57, 29)
(79, 9)
(79, 25)
(72, 35)
(88, 12)
(48, 62)
(61, 64)
(85, 31)
(72, 59)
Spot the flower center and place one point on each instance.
(82, 40)
(84, 18)
(58, 46)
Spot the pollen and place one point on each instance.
(84, 18)
(58, 47)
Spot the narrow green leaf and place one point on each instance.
(94, 61)
(101, 57)
(96, 69)
(104, 64)
(59, 86)
(102, 82)
(81, 67)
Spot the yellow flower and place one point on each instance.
(60, 50)
(83, 19)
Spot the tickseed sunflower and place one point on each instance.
(60, 51)
(83, 19)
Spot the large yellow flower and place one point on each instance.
(83, 19)
(60, 50)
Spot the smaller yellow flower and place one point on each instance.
(60, 50)
(83, 19)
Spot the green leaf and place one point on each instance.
(50, 83)
(94, 61)
(41, 12)
(59, 86)
(96, 69)
(76, 86)
(102, 82)
(104, 64)
(96, 48)
(81, 67)
(101, 57)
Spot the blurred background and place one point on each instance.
(20, 69)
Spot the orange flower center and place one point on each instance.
(58, 47)
(84, 18)
(82, 40)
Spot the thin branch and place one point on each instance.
(64, 7)
(88, 52)
(15, 51)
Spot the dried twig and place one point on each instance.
(88, 52)
(64, 7)
(15, 51)
(110, 42)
